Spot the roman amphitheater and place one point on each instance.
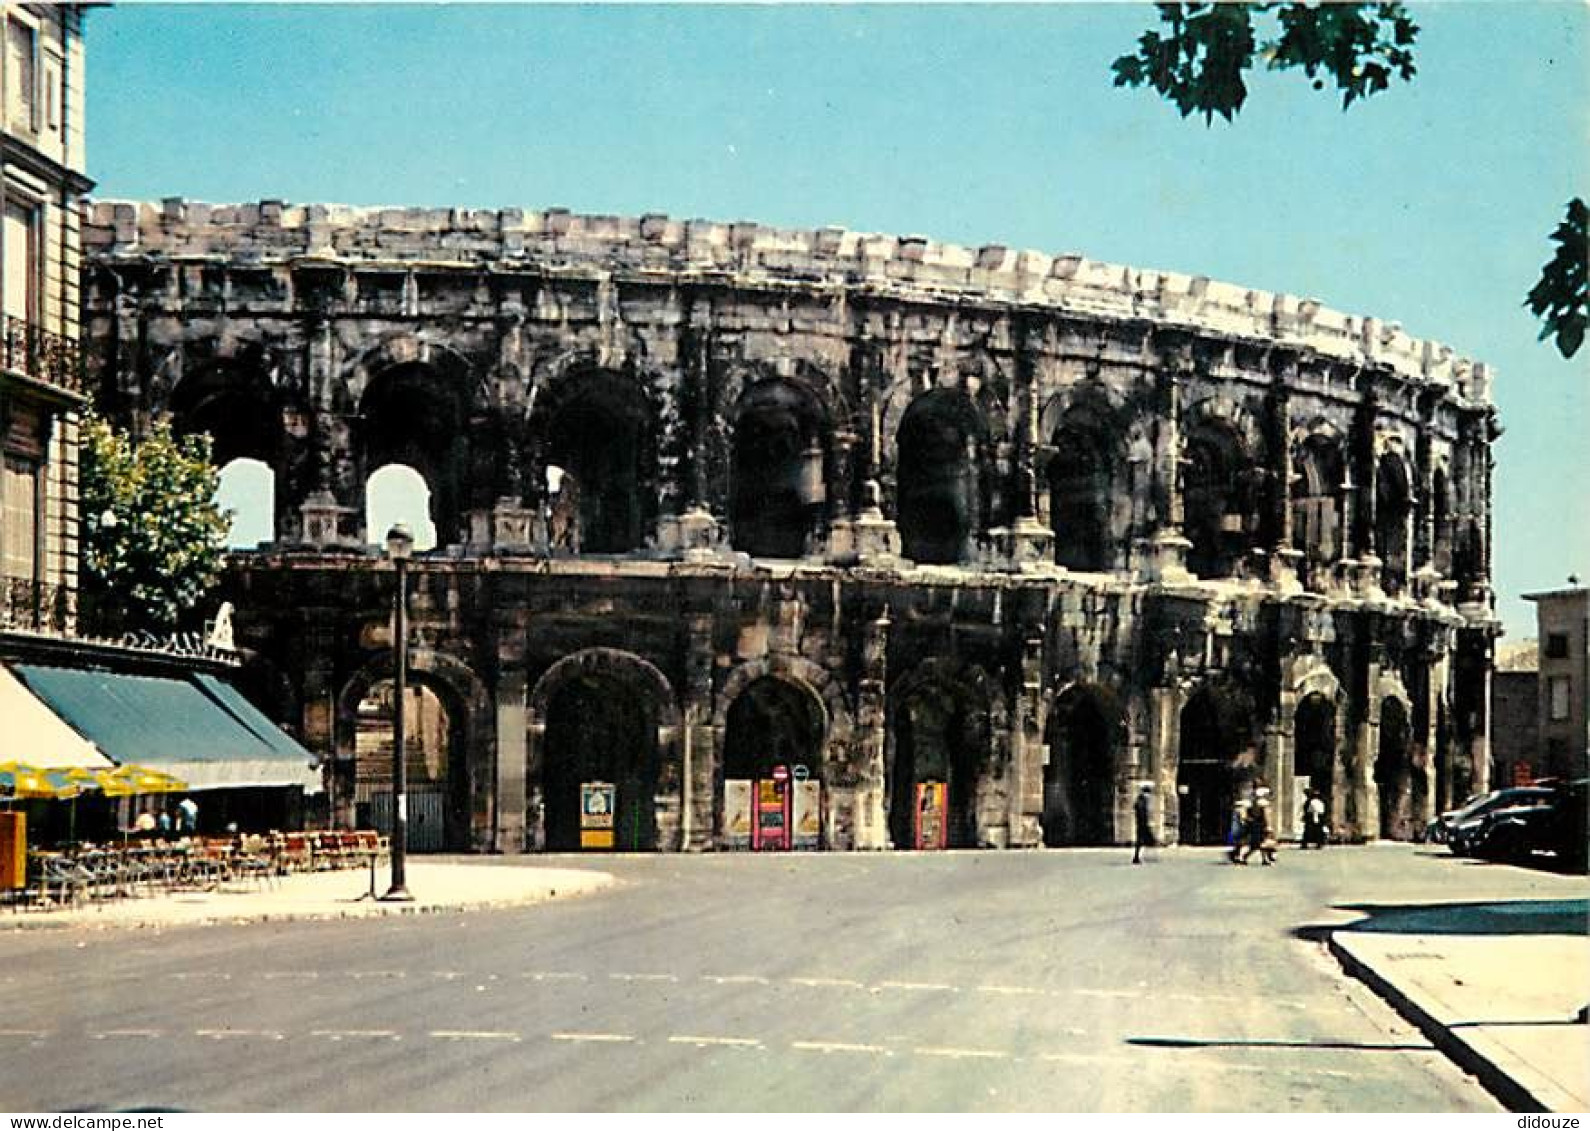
(858, 527)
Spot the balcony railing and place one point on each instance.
(35, 606)
(45, 357)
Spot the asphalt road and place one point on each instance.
(1062, 980)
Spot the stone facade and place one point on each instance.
(883, 510)
(42, 183)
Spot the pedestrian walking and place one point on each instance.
(1259, 838)
(1238, 832)
(1142, 834)
(1313, 819)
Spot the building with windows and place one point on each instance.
(1562, 689)
(41, 389)
(164, 706)
(820, 538)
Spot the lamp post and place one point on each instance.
(399, 545)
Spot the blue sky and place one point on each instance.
(1428, 205)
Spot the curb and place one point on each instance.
(363, 912)
(1504, 1087)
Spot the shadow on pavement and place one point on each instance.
(1504, 917)
(1194, 1043)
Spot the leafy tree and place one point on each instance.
(1197, 61)
(1559, 299)
(1200, 64)
(152, 536)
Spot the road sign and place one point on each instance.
(781, 773)
(801, 772)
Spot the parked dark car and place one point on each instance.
(1558, 827)
(1469, 822)
(1439, 828)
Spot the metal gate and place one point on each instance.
(427, 805)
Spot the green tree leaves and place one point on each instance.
(1199, 65)
(1199, 62)
(1559, 299)
(152, 537)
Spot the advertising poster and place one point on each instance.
(597, 800)
(737, 814)
(771, 830)
(807, 819)
(931, 826)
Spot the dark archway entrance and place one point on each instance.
(1215, 760)
(1079, 781)
(939, 506)
(774, 723)
(1394, 771)
(1392, 508)
(1220, 500)
(1081, 478)
(1314, 746)
(436, 796)
(600, 731)
(601, 438)
(940, 733)
(780, 486)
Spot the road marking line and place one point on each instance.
(607, 1038)
(735, 979)
(125, 1033)
(1104, 993)
(555, 976)
(226, 1034)
(1084, 1058)
(644, 977)
(189, 975)
(838, 1046)
(448, 975)
(356, 974)
(1030, 990)
(273, 974)
(731, 1042)
(339, 1034)
(938, 986)
(474, 1035)
(24, 1032)
(963, 1054)
(841, 983)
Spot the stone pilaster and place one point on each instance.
(698, 831)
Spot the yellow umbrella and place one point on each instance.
(132, 778)
(20, 780)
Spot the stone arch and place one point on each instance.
(941, 452)
(1084, 468)
(416, 410)
(631, 694)
(782, 465)
(600, 427)
(1318, 470)
(406, 349)
(1083, 740)
(1223, 486)
(471, 741)
(940, 728)
(1217, 754)
(1394, 507)
(1441, 518)
(799, 681)
(1313, 714)
(1391, 717)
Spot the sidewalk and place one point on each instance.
(325, 895)
(1502, 1006)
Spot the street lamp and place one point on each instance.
(399, 545)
